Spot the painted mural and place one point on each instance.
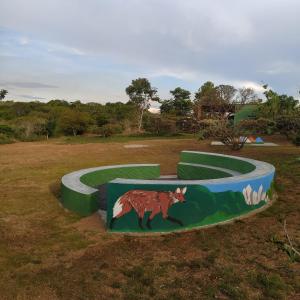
(142, 201)
(156, 208)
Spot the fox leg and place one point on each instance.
(140, 223)
(112, 221)
(148, 224)
(174, 220)
(126, 209)
(155, 211)
(140, 214)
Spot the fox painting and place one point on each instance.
(142, 201)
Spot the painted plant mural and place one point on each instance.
(252, 197)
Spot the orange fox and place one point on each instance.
(142, 201)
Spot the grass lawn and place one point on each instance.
(49, 253)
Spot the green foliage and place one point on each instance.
(73, 122)
(272, 285)
(4, 139)
(258, 126)
(140, 93)
(296, 139)
(180, 104)
(3, 93)
(6, 130)
(156, 124)
(277, 105)
(108, 130)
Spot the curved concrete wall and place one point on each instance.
(79, 189)
(210, 188)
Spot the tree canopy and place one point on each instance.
(140, 93)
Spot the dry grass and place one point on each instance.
(48, 253)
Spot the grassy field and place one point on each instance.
(49, 253)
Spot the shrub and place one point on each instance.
(259, 126)
(160, 126)
(296, 139)
(110, 129)
(208, 128)
(288, 125)
(6, 130)
(4, 139)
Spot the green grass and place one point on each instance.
(119, 138)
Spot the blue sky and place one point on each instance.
(91, 50)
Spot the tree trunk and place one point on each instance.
(141, 121)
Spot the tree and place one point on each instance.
(140, 93)
(246, 95)
(73, 122)
(226, 93)
(3, 93)
(179, 105)
(181, 101)
(277, 105)
(213, 101)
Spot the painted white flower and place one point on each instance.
(252, 197)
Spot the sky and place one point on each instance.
(91, 50)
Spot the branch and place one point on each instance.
(288, 238)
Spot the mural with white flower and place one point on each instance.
(252, 197)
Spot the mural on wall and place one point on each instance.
(142, 201)
(252, 197)
(153, 206)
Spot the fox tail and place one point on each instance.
(118, 207)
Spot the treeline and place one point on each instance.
(182, 112)
(27, 121)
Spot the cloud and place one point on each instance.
(170, 41)
(29, 85)
(31, 97)
(24, 41)
(281, 67)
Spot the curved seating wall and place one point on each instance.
(79, 192)
(218, 188)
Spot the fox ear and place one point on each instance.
(184, 190)
(177, 191)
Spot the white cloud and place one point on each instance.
(24, 41)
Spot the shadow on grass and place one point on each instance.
(54, 188)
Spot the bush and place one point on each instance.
(259, 126)
(160, 126)
(4, 139)
(6, 130)
(110, 129)
(296, 139)
(208, 128)
(288, 125)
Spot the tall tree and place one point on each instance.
(73, 122)
(140, 93)
(3, 93)
(246, 95)
(277, 104)
(180, 103)
(226, 93)
(206, 93)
